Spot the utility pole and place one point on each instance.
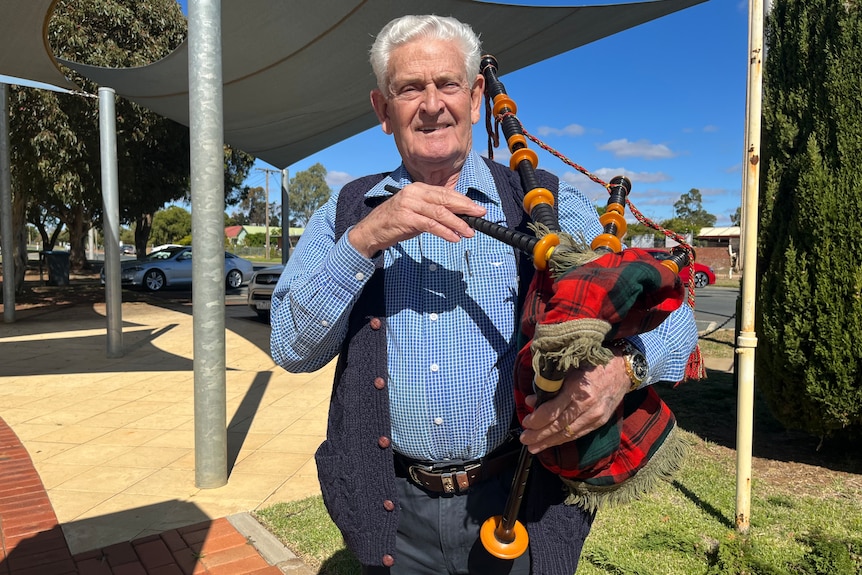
(266, 211)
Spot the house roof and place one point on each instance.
(232, 231)
(721, 232)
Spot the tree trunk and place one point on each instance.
(78, 227)
(18, 249)
(143, 226)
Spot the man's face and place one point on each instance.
(431, 107)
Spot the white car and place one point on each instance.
(260, 289)
(173, 266)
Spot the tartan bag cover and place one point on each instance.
(613, 296)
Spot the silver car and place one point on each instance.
(260, 289)
(173, 266)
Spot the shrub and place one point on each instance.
(809, 361)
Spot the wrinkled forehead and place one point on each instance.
(426, 61)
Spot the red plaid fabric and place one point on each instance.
(634, 293)
(630, 290)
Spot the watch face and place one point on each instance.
(639, 366)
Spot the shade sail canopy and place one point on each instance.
(296, 74)
(24, 50)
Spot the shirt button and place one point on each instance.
(383, 441)
(388, 505)
(432, 267)
(375, 323)
(435, 367)
(438, 421)
(433, 317)
(324, 323)
(359, 276)
(388, 560)
(379, 382)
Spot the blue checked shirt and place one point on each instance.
(452, 322)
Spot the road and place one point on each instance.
(715, 308)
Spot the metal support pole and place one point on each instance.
(746, 340)
(285, 216)
(111, 231)
(206, 123)
(8, 237)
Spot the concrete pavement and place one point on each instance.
(113, 439)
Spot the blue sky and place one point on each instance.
(663, 103)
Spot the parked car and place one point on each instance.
(260, 289)
(703, 275)
(127, 250)
(173, 266)
(164, 247)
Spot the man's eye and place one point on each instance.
(451, 87)
(407, 91)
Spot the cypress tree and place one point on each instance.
(809, 358)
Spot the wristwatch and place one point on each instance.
(636, 363)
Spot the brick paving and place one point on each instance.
(32, 540)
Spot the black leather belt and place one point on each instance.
(454, 477)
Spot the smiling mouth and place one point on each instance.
(431, 129)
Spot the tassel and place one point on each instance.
(695, 368)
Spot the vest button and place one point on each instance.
(388, 560)
(379, 382)
(388, 505)
(375, 323)
(383, 441)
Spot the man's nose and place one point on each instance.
(431, 102)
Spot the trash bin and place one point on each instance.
(58, 267)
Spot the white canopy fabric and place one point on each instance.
(296, 74)
(24, 50)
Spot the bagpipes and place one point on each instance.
(580, 300)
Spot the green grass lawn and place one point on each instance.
(806, 502)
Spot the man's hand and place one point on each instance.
(586, 401)
(415, 209)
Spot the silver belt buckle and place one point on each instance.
(448, 483)
(451, 481)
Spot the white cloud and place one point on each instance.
(641, 149)
(337, 179)
(636, 177)
(710, 128)
(596, 192)
(570, 130)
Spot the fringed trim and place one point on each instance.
(566, 345)
(572, 252)
(662, 466)
(695, 368)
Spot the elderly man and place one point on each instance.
(423, 315)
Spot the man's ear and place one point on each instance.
(381, 108)
(476, 95)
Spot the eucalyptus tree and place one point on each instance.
(308, 191)
(55, 136)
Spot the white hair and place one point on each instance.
(406, 29)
